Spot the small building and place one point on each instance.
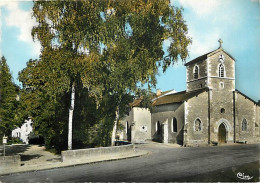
(23, 132)
(209, 111)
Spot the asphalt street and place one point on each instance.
(164, 163)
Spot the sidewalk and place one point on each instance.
(36, 158)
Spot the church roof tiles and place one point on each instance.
(177, 97)
(171, 98)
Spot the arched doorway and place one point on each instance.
(158, 132)
(222, 133)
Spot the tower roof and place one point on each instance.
(205, 56)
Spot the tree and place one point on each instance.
(107, 47)
(135, 32)
(8, 100)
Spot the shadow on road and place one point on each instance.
(16, 149)
(30, 157)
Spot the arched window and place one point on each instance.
(196, 72)
(174, 125)
(244, 125)
(221, 70)
(197, 125)
(222, 110)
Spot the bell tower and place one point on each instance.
(221, 70)
(214, 70)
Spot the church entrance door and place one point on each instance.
(222, 133)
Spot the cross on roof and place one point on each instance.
(220, 43)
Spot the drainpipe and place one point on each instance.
(234, 115)
(209, 93)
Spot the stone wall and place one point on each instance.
(165, 114)
(213, 72)
(221, 111)
(10, 162)
(86, 154)
(196, 108)
(141, 129)
(257, 126)
(201, 82)
(213, 63)
(248, 110)
(136, 127)
(221, 97)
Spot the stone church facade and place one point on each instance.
(210, 111)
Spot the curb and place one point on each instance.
(51, 166)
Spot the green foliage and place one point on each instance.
(92, 123)
(15, 140)
(103, 47)
(8, 100)
(146, 96)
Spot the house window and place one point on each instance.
(244, 125)
(221, 85)
(196, 72)
(197, 125)
(221, 71)
(174, 125)
(222, 110)
(18, 134)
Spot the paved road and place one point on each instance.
(165, 163)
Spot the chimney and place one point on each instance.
(158, 92)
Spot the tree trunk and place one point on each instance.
(71, 117)
(113, 139)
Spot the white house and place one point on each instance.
(24, 131)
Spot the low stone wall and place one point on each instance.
(85, 154)
(10, 161)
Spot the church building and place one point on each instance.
(209, 111)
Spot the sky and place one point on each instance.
(236, 22)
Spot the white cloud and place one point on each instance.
(203, 44)
(23, 21)
(201, 7)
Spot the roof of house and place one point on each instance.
(137, 102)
(205, 56)
(257, 103)
(177, 97)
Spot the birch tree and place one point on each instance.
(108, 46)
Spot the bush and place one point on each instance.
(15, 140)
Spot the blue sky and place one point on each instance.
(236, 22)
